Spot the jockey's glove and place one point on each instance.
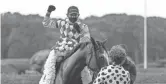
(77, 27)
(84, 39)
(51, 8)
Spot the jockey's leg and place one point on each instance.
(49, 69)
(49, 72)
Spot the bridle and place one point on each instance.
(95, 50)
(93, 53)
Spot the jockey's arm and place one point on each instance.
(85, 34)
(50, 23)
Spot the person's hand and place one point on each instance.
(84, 39)
(51, 8)
(77, 27)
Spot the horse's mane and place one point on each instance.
(94, 43)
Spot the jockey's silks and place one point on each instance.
(69, 36)
(68, 39)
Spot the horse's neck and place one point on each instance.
(77, 67)
(58, 78)
(76, 71)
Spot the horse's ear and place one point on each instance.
(104, 41)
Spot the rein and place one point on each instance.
(95, 48)
(91, 55)
(94, 52)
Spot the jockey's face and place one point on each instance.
(73, 17)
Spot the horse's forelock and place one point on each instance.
(106, 55)
(101, 45)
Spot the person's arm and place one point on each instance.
(48, 22)
(85, 34)
(133, 73)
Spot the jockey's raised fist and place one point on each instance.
(51, 8)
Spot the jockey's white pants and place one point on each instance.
(49, 72)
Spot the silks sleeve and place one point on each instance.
(50, 23)
(85, 34)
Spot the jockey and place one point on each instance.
(72, 32)
(117, 55)
(71, 29)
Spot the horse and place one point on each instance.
(92, 54)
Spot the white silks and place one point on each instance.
(49, 71)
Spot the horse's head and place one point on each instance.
(101, 53)
(99, 58)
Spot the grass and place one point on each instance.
(149, 76)
(19, 79)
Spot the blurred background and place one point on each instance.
(23, 35)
